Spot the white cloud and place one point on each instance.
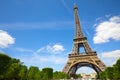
(54, 49)
(107, 30)
(41, 57)
(5, 39)
(112, 54)
(56, 62)
(115, 19)
(38, 59)
(110, 58)
(42, 61)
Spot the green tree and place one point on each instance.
(117, 70)
(103, 75)
(78, 76)
(23, 72)
(4, 64)
(38, 75)
(32, 72)
(60, 75)
(47, 74)
(109, 73)
(56, 75)
(13, 70)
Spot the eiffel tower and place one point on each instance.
(76, 58)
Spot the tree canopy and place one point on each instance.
(111, 73)
(13, 69)
(4, 63)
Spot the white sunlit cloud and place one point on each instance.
(112, 54)
(110, 58)
(5, 39)
(54, 49)
(107, 30)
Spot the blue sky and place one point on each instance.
(41, 32)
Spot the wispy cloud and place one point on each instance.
(107, 30)
(1, 51)
(37, 25)
(67, 6)
(44, 56)
(48, 49)
(24, 50)
(56, 62)
(38, 59)
(6, 39)
(103, 18)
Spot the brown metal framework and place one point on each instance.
(76, 58)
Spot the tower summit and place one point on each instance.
(79, 33)
(77, 58)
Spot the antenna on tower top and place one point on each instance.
(75, 6)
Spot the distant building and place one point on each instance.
(91, 76)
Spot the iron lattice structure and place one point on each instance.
(76, 58)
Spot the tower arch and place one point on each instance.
(74, 67)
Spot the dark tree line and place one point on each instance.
(111, 73)
(13, 69)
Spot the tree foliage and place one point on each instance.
(116, 67)
(102, 75)
(13, 69)
(47, 73)
(32, 72)
(4, 64)
(60, 75)
(23, 72)
(78, 76)
(38, 75)
(111, 73)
